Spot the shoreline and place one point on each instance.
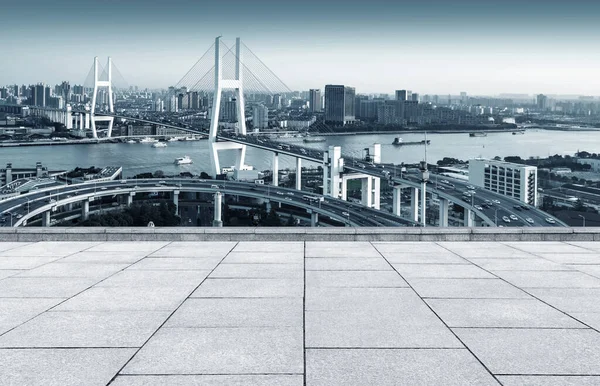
(90, 141)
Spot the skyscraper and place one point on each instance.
(339, 104)
(314, 100)
(39, 95)
(542, 102)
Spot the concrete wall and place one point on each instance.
(299, 234)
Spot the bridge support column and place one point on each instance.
(443, 212)
(87, 120)
(414, 204)
(46, 219)
(367, 192)
(468, 218)
(217, 221)
(298, 173)
(130, 199)
(314, 219)
(268, 206)
(377, 193)
(423, 204)
(176, 200)
(85, 210)
(275, 169)
(397, 201)
(80, 121)
(69, 118)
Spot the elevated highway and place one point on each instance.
(26, 206)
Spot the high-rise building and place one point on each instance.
(339, 104)
(39, 95)
(260, 117)
(277, 101)
(512, 180)
(229, 110)
(542, 102)
(403, 95)
(415, 97)
(314, 100)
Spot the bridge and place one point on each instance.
(232, 71)
(82, 196)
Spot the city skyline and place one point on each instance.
(432, 47)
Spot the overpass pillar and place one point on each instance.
(85, 209)
(268, 206)
(217, 221)
(397, 201)
(130, 198)
(46, 218)
(314, 219)
(298, 173)
(423, 203)
(69, 118)
(175, 200)
(443, 212)
(414, 204)
(468, 218)
(367, 192)
(87, 120)
(80, 121)
(376, 193)
(275, 169)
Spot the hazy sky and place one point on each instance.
(428, 46)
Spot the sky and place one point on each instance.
(429, 46)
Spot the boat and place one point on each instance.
(478, 134)
(159, 144)
(191, 138)
(313, 139)
(173, 139)
(130, 141)
(399, 142)
(148, 140)
(185, 160)
(519, 132)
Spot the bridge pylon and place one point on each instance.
(111, 108)
(238, 87)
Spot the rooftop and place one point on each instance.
(299, 312)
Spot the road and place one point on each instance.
(20, 208)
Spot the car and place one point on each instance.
(162, 182)
(505, 219)
(489, 202)
(478, 207)
(288, 199)
(123, 181)
(467, 194)
(135, 187)
(290, 193)
(445, 181)
(19, 216)
(441, 188)
(529, 220)
(513, 217)
(103, 188)
(201, 180)
(470, 187)
(517, 207)
(345, 214)
(496, 201)
(279, 193)
(550, 220)
(525, 207)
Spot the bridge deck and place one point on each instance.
(314, 313)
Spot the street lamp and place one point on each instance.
(583, 219)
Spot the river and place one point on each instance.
(138, 158)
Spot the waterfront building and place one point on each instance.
(542, 102)
(512, 180)
(339, 104)
(314, 100)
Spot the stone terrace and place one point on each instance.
(295, 313)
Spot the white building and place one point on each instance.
(260, 117)
(512, 180)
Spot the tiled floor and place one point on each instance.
(295, 313)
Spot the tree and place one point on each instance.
(205, 176)
(159, 174)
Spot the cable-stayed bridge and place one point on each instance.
(233, 72)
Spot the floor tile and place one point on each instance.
(14, 311)
(249, 288)
(466, 288)
(209, 380)
(354, 279)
